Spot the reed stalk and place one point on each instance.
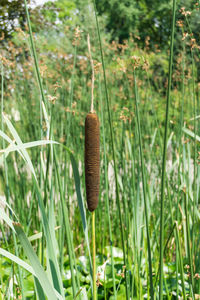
(94, 256)
(164, 154)
(112, 147)
(144, 188)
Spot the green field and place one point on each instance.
(147, 222)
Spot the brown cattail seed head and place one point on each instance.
(92, 160)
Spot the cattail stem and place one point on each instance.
(92, 66)
(94, 256)
(92, 163)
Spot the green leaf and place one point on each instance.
(55, 272)
(5, 218)
(39, 272)
(82, 292)
(22, 264)
(80, 199)
(19, 142)
(17, 260)
(38, 235)
(15, 147)
(191, 134)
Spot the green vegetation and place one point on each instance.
(146, 95)
(12, 15)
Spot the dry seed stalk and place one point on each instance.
(92, 66)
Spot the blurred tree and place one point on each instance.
(148, 19)
(12, 14)
(52, 14)
(122, 17)
(141, 17)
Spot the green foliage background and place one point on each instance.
(135, 37)
(144, 18)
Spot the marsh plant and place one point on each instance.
(141, 164)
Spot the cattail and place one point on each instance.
(92, 160)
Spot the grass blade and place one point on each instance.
(14, 147)
(113, 149)
(191, 134)
(40, 274)
(144, 190)
(164, 154)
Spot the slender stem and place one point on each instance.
(68, 127)
(34, 53)
(180, 261)
(195, 199)
(94, 256)
(67, 228)
(7, 183)
(42, 98)
(92, 66)
(164, 154)
(144, 189)
(107, 196)
(188, 237)
(113, 149)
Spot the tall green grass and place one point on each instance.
(147, 245)
(165, 152)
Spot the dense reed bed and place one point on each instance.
(147, 218)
